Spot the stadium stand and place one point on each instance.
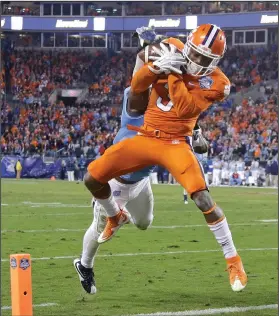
(243, 126)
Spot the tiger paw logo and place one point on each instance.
(24, 264)
(13, 263)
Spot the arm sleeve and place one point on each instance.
(142, 79)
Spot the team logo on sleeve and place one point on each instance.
(13, 263)
(206, 82)
(24, 264)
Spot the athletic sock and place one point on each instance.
(223, 236)
(109, 205)
(90, 247)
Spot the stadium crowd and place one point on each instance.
(137, 8)
(248, 130)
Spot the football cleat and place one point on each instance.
(186, 202)
(86, 277)
(237, 275)
(113, 224)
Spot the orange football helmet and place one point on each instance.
(208, 42)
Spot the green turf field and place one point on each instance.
(174, 266)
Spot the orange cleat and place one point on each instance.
(113, 224)
(237, 275)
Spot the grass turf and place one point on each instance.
(176, 271)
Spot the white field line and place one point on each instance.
(33, 181)
(125, 228)
(61, 206)
(268, 220)
(39, 203)
(212, 311)
(36, 305)
(136, 254)
(47, 205)
(42, 214)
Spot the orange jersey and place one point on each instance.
(176, 101)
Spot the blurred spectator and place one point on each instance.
(217, 166)
(146, 8)
(274, 173)
(235, 179)
(180, 8)
(63, 170)
(27, 8)
(71, 169)
(82, 167)
(102, 9)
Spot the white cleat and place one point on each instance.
(237, 286)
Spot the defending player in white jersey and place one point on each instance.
(132, 191)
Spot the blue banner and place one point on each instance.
(110, 24)
(31, 167)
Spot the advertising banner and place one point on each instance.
(31, 167)
(110, 24)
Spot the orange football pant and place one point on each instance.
(135, 153)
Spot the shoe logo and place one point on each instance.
(78, 270)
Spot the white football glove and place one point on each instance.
(168, 60)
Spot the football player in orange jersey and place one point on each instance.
(175, 102)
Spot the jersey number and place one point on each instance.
(166, 104)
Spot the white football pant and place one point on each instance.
(138, 200)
